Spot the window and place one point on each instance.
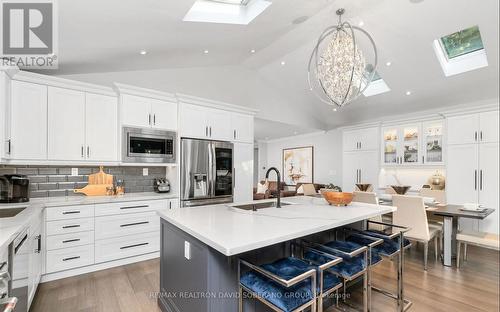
(462, 42)
(461, 51)
(377, 86)
(240, 12)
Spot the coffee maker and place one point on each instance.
(14, 188)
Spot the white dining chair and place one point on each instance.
(369, 198)
(411, 213)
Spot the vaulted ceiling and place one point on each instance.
(106, 36)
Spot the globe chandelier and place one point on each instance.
(338, 70)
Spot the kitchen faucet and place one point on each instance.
(278, 175)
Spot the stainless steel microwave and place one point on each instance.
(148, 145)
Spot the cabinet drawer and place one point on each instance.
(130, 207)
(118, 226)
(69, 212)
(127, 246)
(70, 240)
(70, 226)
(69, 258)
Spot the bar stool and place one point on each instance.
(394, 244)
(354, 264)
(286, 285)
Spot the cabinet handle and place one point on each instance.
(133, 207)
(71, 258)
(88, 151)
(149, 119)
(71, 240)
(154, 119)
(136, 245)
(475, 136)
(132, 224)
(210, 131)
(71, 226)
(70, 212)
(423, 159)
(206, 131)
(169, 205)
(234, 134)
(9, 149)
(39, 243)
(475, 180)
(359, 145)
(481, 135)
(83, 155)
(480, 180)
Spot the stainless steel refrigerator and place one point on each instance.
(207, 172)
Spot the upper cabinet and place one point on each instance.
(146, 108)
(66, 124)
(81, 126)
(413, 144)
(26, 137)
(361, 139)
(473, 128)
(204, 122)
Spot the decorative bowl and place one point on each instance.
(363, 187)
(400, 189)
(337, 198)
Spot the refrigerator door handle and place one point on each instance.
(212, 169)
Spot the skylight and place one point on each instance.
(240, 12)
(461, 51)
(377, 86)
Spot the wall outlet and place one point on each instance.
(74, 171)
(187, 250)
(145, 171)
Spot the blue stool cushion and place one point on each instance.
(329, 280)
(285, 298)
(389, 246)
(350, 266)
(375, 256)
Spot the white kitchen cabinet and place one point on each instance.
(462, 173)
(193, 121)
(139, 111)
(359, 167)
(473, 128)
(463, 129)
(27, 139)
(433, 142)
(488, 185)
(35, 257)
(243, 172)
(488, 127)
(164, 114)
(4, 99)
(135, 111)
(101, 126)
(361, 139)
(66, 124)
(242, 127)
(219, 123)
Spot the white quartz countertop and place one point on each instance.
(233, 231)
(11, 227)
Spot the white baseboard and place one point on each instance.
(97, 267)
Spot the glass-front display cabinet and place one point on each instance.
(433, 141)
(390, 148)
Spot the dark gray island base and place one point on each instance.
(208, 281)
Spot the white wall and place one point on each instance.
(327, 154)
(232, 84)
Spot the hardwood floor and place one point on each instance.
(475, 287)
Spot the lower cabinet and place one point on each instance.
(35, 257)
(78, 236)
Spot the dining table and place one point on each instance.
(450, 213)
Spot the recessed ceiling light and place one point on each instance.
(334, 109)
(283, 63)
(388, 64)
(295, 132)
(361, 24)
(205, 52)
(252, 51)
(143, 52)
(408, 92)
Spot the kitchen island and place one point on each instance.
(200, 246)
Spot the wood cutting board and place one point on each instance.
(98, 184)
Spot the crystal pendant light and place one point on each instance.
(338, 69)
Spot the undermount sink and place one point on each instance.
(258, 206)
(10, 212)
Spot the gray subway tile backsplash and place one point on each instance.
(51, 181)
